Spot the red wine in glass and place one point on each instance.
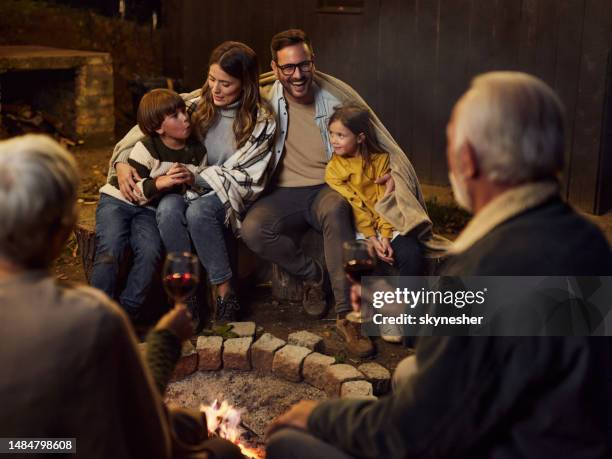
(356, 268)
(359, 261)
(181, 275)
(181, 285)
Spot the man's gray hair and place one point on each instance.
(38, 190)
(514, 121)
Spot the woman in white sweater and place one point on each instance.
(237, 129)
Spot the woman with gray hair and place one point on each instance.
(70, 362)
(38, 189)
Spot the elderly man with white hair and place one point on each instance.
(494, 397)
(505, 155)
(70, 363)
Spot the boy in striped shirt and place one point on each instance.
(166, 161)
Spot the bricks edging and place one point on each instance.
(292, 361)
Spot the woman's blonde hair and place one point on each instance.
(240, 61)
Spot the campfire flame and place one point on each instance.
(223, 420)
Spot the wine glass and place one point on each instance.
(181, 275)
(359, 260)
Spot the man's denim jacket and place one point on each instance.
(324, 108)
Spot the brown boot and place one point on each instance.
(356, 344)
(315, 301)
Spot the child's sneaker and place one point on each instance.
(390, 333)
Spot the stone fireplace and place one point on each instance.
(73, 88)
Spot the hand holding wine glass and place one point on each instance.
(359, 261)
(181, 275)
(177, 320)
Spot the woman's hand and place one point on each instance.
(381, 250)
(177, 320)
(127, 178)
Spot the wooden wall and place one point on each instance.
(412, 59)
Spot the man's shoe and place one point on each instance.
(356, 344)
(316, 294)
(227, 309)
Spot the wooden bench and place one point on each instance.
(246, 265)
(248, 268)
(157, 302)
(286, 287)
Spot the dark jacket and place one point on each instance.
(488, 397)
(549, 240)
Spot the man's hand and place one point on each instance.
(388, 181)
(127, 178)
(297, 417)
(177, 320)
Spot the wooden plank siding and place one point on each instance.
(412, 59)
(586, 149)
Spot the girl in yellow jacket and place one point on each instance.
(358, 161)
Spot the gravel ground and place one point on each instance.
(262, 397)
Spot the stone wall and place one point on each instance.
(134, 49)
(94, 91)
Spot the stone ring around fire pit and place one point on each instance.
(298, 360)
(285, 373)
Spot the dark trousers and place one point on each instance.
(408, 255)
(295, 444)
(272, 223)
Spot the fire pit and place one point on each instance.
(256, 399)
(243, 384)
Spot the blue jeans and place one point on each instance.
(200, 221)
(118, 225)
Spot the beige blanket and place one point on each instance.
(405, 208)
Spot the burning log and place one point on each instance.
(223, 421)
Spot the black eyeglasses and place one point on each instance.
(289, 69)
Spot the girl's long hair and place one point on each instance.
(356, 119)
(240, 61)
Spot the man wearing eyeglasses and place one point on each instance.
(300, 198)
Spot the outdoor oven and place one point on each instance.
(67, 92)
